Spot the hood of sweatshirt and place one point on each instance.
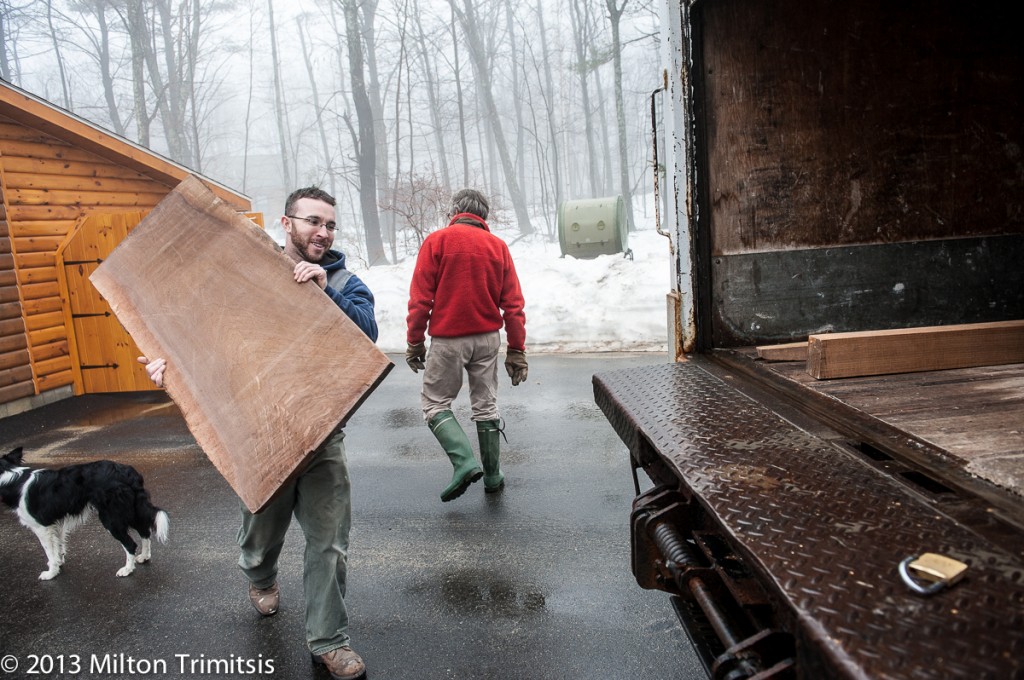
(333, 259)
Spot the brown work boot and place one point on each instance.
(342, 663)
(265, 600)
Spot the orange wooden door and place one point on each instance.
(103, 354)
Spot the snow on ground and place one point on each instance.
(609, 303)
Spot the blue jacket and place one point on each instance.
(354, 298)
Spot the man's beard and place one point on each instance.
(302, 247)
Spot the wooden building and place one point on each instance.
(69, 192)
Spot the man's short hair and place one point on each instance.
(313, 192)
(469, 201)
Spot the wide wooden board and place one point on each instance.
(263, 369)
(908, 350)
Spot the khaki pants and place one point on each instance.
(447, 358)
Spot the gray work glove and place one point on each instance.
(414, 356)
(515, 364)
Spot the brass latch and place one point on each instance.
(937, 571)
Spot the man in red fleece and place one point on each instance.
(464, 289)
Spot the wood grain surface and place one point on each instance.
(263, 369)
(908, 350)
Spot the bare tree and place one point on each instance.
(282, 127)
(607, 174)
(402, 67)
(167, 58)
(461, 101)
(99, 38)
(429, 70)
(367, 13)
(160, 65)
(177, 45)
(134, 18)
(348, 166)
(517, 98)
(189, 73)
(547, 94)
(365, 142)
(317, 108)
(578, 15)
(8, 49)
(250, 54)
(156, 79)
(57, 54)
(615, 16)
(419, 204)
(468, 20)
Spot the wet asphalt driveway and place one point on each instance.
(534, 582)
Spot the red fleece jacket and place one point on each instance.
(465, 283)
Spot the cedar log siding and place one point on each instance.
(15, 369)
(48, 185)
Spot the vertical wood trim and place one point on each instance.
(65, 303)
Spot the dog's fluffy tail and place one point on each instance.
(161, 524)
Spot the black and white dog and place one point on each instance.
(52, 503)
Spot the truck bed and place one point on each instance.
(781, 509)
(958, 430)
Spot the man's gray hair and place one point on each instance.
(469, 201)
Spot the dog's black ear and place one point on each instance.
(14, 456)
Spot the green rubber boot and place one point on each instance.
(490, 447)
(456, 444)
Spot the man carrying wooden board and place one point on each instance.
(320, 496)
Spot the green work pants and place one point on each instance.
(320, 499)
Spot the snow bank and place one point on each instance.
(609, 303)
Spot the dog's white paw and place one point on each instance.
(125, 571)
(141, 559)
(48, 574)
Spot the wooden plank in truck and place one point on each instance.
(908, 350)
(790, 351)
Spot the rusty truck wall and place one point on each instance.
(861, 166)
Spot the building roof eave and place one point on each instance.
(39, 114)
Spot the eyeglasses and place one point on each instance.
(315, 222)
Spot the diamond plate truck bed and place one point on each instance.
(781, 546)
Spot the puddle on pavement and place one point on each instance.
(477, 591)
(403, 417)
(418, 451)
